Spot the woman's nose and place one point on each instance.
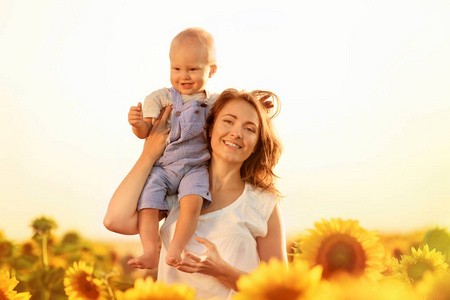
(236, 131)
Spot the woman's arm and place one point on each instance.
(121, 215)
(273, 245)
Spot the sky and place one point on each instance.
(364, 85)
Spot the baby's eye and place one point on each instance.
(176, 69)
(193, 69)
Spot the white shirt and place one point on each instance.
(233, 229)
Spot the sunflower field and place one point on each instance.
(337, 259)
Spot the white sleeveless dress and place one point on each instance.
(233, 230)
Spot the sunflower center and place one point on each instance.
(87, 288)
(27, 249)
(3, 296)
(282, 292)
(397, 253)
(5, 249)
(341, 252)
(416, 271)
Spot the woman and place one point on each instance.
(243, 225)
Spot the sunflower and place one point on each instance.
(156, 290)
(438, 238)
(343, 247)
(397, 245)
(391, 264)
(413, 267)
(7, 285)
(6, 249)
(347, 287)
(29, 248)
(275, 280)
(80, 284)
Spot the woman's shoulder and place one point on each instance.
(257, 192)
(259, 200)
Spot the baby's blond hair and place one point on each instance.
(196, 35)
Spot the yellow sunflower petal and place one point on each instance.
(146, 289)
(80, 284)
(347, 287)
(276, 280)
(413, 267)
(7, 285)
(343, 246)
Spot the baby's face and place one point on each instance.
(190, 69)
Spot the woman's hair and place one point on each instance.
(197, 36)
(258, 167)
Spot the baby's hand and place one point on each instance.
(135, 116)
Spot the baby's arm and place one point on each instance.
(141, 126)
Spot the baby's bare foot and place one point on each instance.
(148, 260)
(173, 257)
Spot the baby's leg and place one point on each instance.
(148, 222)
(190, 206)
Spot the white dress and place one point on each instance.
(233, 229)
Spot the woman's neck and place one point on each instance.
(224, 176)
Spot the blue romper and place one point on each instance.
(183, 167)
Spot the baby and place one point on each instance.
(183, 167)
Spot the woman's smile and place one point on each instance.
(232, 145)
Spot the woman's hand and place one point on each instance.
(155, 143)
(210, 263)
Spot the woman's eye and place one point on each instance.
(228, 121)
(251, 129)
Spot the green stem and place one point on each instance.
(110, 291)
(44, 244)
(45, 251)
(46, 295)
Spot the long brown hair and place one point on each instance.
(257, 169)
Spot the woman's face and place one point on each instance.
(235, 132)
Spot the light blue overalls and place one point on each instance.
(183, 167)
